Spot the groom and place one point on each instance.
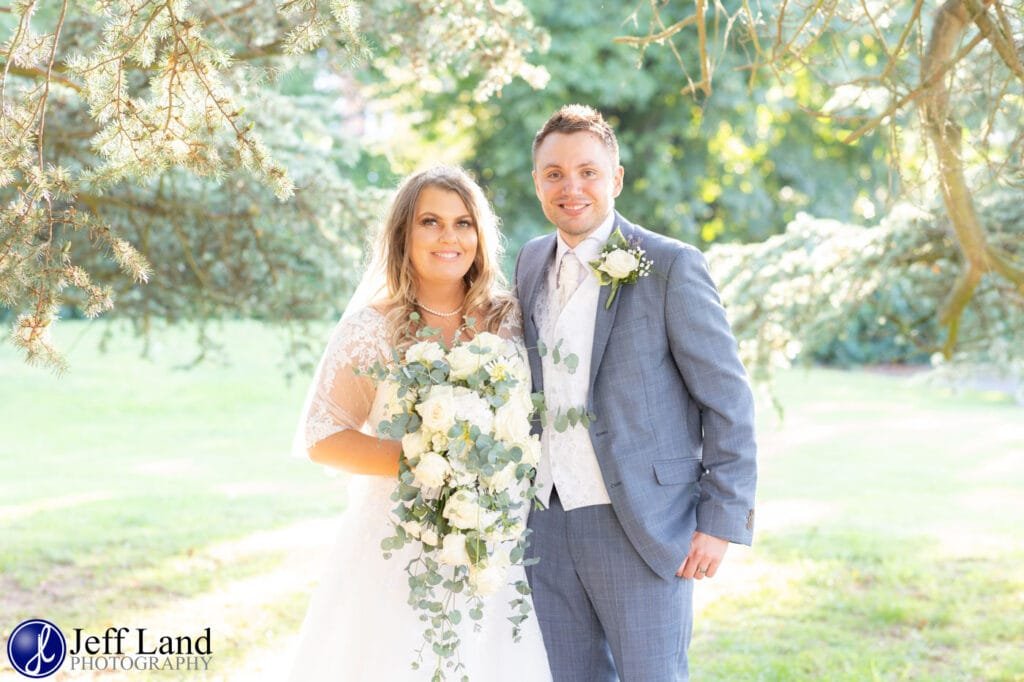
(649, 496)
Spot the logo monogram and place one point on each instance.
(36, 648)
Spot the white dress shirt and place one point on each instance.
(568, 460)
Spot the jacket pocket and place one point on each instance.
(677, 471)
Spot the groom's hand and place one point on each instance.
(706, 553)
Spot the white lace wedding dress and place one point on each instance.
(359, 627)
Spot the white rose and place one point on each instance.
(463, 361)
(492, 345)
(428, 536)
(439, 442)
(511, 422)
(463, 511)
(415, 444)
(461, 475)
(427, 352)
(521, 371)
(487, 580)
(503, 479)
(522, 396)
(431, 470)
(437, 410)
(453, 550)
(469, 406)
(395, 405)
(467, 358)
(531, 450)
(619, 263)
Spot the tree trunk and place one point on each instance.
(951, 20)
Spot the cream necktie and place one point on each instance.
(568, 277)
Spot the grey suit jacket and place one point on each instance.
(674, 427)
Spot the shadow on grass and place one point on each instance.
(847, 605)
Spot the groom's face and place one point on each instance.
(577, 181)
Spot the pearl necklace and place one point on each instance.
(439, 313)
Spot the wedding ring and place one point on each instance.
(702, 571)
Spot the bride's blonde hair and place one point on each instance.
(488, 299)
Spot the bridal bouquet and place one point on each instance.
(463, 416)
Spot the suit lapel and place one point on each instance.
(606, 317)
(532, 278)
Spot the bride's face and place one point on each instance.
(443, 240)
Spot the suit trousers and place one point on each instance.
(604, 614)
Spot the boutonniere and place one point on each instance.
(620, 262)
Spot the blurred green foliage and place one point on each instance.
(735, 167)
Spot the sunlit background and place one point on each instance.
(186, 194)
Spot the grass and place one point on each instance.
(133, 493)
(115, 475)
(889, 544)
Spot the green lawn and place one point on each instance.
(890, 544)
(133, 493)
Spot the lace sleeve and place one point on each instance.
(512, 326)
(340, 398)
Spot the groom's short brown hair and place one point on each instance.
(579, 118)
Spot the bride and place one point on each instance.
(437, 256)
